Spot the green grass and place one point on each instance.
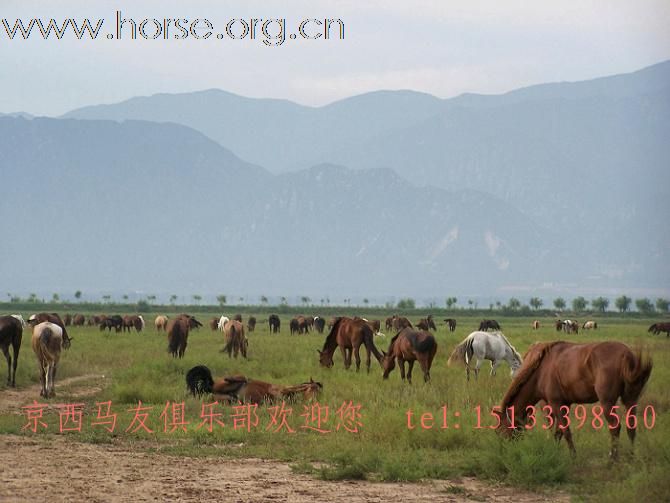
(138, 368)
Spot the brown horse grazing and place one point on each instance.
(451, 324)
(389, 322)
(213, 324)
(408, 346)
(78, 320)
(485, 325)
(349, 334)
(47, 341)
(238, 388)
(133, 321)
(236, 342)
(563, 373)
(36, 319)
(657, 328)
(11, 333)
(177, 330)
(238, 317)
(67, 320)
(400, 322)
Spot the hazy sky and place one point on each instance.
(440, 47)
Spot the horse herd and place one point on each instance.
(559, 373)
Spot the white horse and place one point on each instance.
(492, 346)
(47, 341)
(222, 323)
(590, 325)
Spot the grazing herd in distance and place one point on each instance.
(411, 343)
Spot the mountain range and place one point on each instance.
(391, 192)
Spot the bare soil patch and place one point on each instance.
(55, 468)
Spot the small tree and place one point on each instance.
(600, 304)
(197, 298)
(579, 304)
(77, 294)
(623, 303)
(221, 299)
(305, 300)
(535, 303)
(451, 302)
(663, 305)
(406, 304)
(151, 298)
(55, 297)
(514, 304)
(173, 299)
(125, 297)
(366, 302)
(559, 303)
(284, 302)
(264, 300)
(645, 306)
(106, 298)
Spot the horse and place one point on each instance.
(570, 326)
(563, 373)
(400, 322)
(133, 321)
(11, 334)
(375, 325)
(559, 325)
(36, 319)
(177, 330)
(78, 320)
(222, 322)
(389, 322)
(214, 324)
(109, 322)
(251, 323)
(492, 346)
(275, 324)
(657, 328)
(535, 325)
(423, 324)
(409, 346)
(238, 317)
(67, 320)
(161, 323)
(319, 324)
(236, 342)
(349, 334)
(93, 320)
(238, 388)
(47, 341)
(588, 325)
(294, 326)
(451, 324)
(485, 325)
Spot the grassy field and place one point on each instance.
(138, 368)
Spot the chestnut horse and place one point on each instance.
(11, 333)
(657, 328)
(563, 373)
(409, 346)
(177, 330)
(349, 334)
(236, 342)
(451, 324)
(238, 388)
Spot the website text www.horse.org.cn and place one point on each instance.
(323, 419)
(271, 32)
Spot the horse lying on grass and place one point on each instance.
(239, 388)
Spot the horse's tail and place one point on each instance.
(463, 352)
(173, 341)
(369, 341)
(636, 372)
(199, 380)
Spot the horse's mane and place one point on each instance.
(331, 338)
(395, 337)
(531, 363)
(509, 344)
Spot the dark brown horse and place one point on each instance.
(319, 324)
(251, 323)
(349, 334)
(451, 324)
(409, 346)
(563, 373)
(238, 388)
(177, 329)
(78, 320)
(657, 328)
(275, 324)
(11, 333)
(485, 325)
(213, 324)
(426, 324)
(400, 322)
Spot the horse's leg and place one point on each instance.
(344, 357)
(5, 350)
(52, 380)
(615, 431)
(477, 365)
(356, 350)
(367, 358)
(561, 426)
(494, 366)
(631, 431)
(401, 367)
(410, 365)
(425, 367)
(17, 348)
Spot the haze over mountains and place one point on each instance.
(388, 193)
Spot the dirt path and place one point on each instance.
(93, 472)
(12, 399)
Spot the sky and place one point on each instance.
(439, 47)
